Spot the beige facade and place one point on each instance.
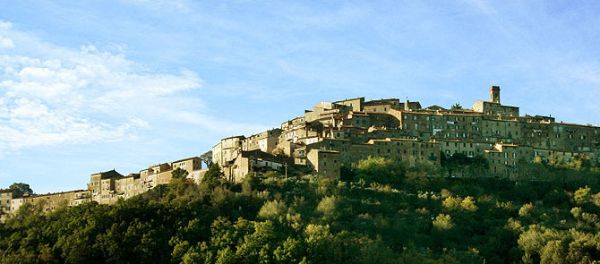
(102, 186)
(52, 201)
(326, 163)
(197, 175)
(405, 131)
(266, 141)
(227, 149)
(468, 148)
(492, 109)
(5, 200)
(504, 159)
(251, 161)
(46, 202)
(16, 203)
(108, 187)
(493, 106)
(356, 104)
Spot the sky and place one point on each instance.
(89, 86)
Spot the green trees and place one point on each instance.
(379, 216)
(467, 204)
(583, 195)
(19, 189)
(549, 245)
(213, 176)
(179, 173)
(456, 106)
(272, 210)
(379, 169)
(443, 222)
(459, 164)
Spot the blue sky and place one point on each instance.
(89, 86)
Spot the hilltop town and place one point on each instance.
(335, 135)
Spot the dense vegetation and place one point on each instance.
(380, 212)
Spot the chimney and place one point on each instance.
(406, 105)
(495, 94)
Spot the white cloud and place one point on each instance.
(5, 42)
(88, 95)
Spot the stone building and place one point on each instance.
(102, 186)
(319, 159)
(356, 129)
(16, 203)
(334, 135)
(6, 196)
(105, 187)
(51, 201)
(110, 186)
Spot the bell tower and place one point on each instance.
(495, 94)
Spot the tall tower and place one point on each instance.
(495, 94)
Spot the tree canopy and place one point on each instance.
(19, 189)
(385, 214)
(456, 106)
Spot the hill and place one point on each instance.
(379, 212)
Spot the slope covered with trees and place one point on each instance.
(380, 212)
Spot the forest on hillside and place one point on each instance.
(380, 211)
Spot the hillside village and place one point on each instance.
(334, 135)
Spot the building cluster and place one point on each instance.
(338, 134)
(334, 135)
(105, 187)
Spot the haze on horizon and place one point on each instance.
(88, 86)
